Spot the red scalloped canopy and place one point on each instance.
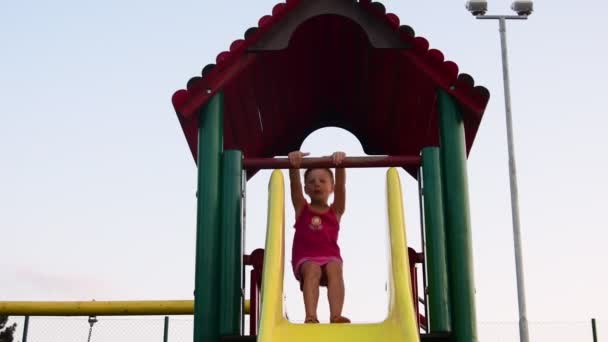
(330, 75)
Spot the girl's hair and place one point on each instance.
(331, 174)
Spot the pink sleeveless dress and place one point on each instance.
(315, 239)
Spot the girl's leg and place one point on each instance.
(335, 291)
(311, 276)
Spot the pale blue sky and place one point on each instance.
(97, 183)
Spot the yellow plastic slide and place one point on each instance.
(400, 324)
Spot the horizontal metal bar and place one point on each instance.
(320, 162)
(507, 17)
(101, 308)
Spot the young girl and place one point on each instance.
(316, 256)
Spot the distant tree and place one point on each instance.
(6, 332)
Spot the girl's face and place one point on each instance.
(318, 185)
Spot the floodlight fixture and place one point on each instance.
(477, 7)
(523, 7)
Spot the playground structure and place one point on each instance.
(313, 64)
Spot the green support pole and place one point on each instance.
(206, 284)
(457, 219)
(231, 255)
(436, 259)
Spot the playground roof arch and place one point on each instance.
(319, 63)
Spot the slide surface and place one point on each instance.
(400, 325)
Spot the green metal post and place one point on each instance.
(436, 258)
(206, 284)
(166, 329)
(243, 234)
(594, 328)
(457, 219)
(231, 255)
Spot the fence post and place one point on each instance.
(594, 329)
(26, 324)
(166, 330)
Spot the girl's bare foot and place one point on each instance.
(339, 319)
(311, 319)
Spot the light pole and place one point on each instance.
(523, 9)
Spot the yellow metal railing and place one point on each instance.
(101, 308)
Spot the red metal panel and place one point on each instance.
(252, 130)
(383, 92)
(232, 112)
(268, 94)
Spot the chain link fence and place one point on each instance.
(106, 329)
(569, 331)
(180, 329)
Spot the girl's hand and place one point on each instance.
(338, 157)
(295, 158)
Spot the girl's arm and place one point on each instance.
(297, 196)
(339, 204)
